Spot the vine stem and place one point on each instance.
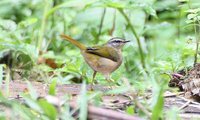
(136, 36)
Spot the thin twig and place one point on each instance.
(101, 113)
(196, 103)
(185, 105)
(142, 108)
(138, 104)
(173, 94)
(136, 36)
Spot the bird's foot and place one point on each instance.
(92, 87)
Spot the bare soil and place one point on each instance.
(189, 108)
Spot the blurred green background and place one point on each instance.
(166, 29)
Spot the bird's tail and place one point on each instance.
(75, 42)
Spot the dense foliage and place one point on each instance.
(164, 38)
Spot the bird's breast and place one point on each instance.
(101, 64)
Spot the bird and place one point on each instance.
(103, 59)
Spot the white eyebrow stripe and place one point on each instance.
(117, 39)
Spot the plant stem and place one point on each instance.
(179, 23)
(101, 24)
(43, 24)
(196, 37)
(197, 45)
(113, 26)
(136, 36)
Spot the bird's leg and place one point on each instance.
(110, 80)
(93, 77)
(93, 80)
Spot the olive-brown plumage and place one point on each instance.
(103, 59)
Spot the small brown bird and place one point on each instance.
(103, 59)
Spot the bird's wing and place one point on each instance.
(106, 52)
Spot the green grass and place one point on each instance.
(163, 34)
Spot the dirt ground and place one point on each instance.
(189, 108)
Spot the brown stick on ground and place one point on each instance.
(105, 114)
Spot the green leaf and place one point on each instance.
(1, 94)
(23, 111)
(32, 103)
(115, 4)
(191, 16)
(27, 22)
(119, 90)
(151, 11)
(48, 109)
(83, 103)
(189, 21)
(130, 110)
(158, 99)
(173, 113)
(8, 25)
(7, 84)
(52, 88)
(193, 10)
(70, 3)
(32, 91)
(158, 108)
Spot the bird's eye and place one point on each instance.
(117, 41)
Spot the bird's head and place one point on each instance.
(117, 42)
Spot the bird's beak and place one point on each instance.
(126, 41)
